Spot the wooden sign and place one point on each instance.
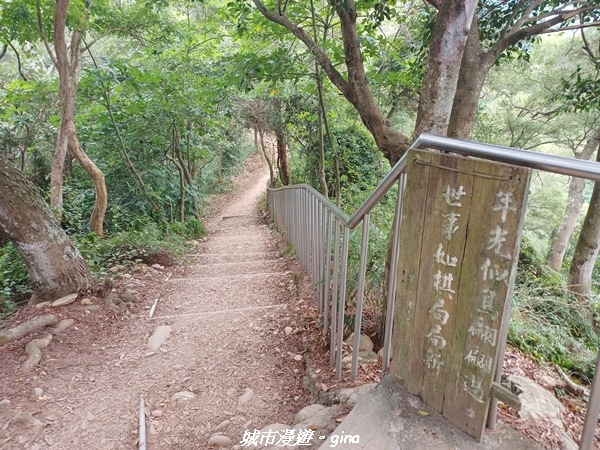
(459, 245)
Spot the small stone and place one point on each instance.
(42, 305)
(130, 296)
(288, 330)
(246, 396)
(367, 357)
(183, 397)
(307, 412)
(157, 267)
(120, 268)
(126, 275)
(157, 413)
(159, 337)
(220, 441)
(351, 396)
(63, 301)
(365, 344)
(148, 276)
(298, 358)
(223, 425)
(93, 308)
(85, 301)
(38, 392)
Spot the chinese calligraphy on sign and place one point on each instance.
(464, 226)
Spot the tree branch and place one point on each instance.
(336, 78)
(42, 32)
(18, 61)
(3, 51)
(588, 49)
(518, 34)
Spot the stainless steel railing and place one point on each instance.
(313, 225)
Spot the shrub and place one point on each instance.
(14, 281)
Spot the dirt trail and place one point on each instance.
(229, 346)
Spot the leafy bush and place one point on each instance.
(14, 281)
(548, 323)
(147, 244)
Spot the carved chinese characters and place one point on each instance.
(461, 223)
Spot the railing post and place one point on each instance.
(334, 299)
(591, 416)
(391, 293)
(327, 255)
(342, 303)
(362, 271)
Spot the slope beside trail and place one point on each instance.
(234, 344)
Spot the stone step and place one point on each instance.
(252, 230)
(238, 238)
(237, 268)
(237, 221)
(201, 294)
(388, 417)
(219, 258)
(225, 246)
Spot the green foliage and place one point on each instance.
(190, 229)
(14, 281)
(549, 323)
(146, 243)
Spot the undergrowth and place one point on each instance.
(548, 322)
(146, 243)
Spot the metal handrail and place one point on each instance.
(312, 223)
(525, 158)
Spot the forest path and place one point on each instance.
(229, 346)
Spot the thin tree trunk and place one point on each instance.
(101, 200)
(54, 265)
(448, 41)
(129, 164)
(474, 69)
(338, 184)
(282, 157)
(320, 109)
(67, 133)
(574, 203)
(185, 172)
(322, 177)
(586, 250)
(269, 162)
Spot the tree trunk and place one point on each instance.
(574, 203)
(474, 69)
(282, 158)
(449, 38)
(559, 244)
(67, 133)
(54, 265)
(448, 43)
(586, 251)
(281, 142)
(269, 162)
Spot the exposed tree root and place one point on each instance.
(573, 388)
(62, 326)
(23, 329)
(34, 350)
